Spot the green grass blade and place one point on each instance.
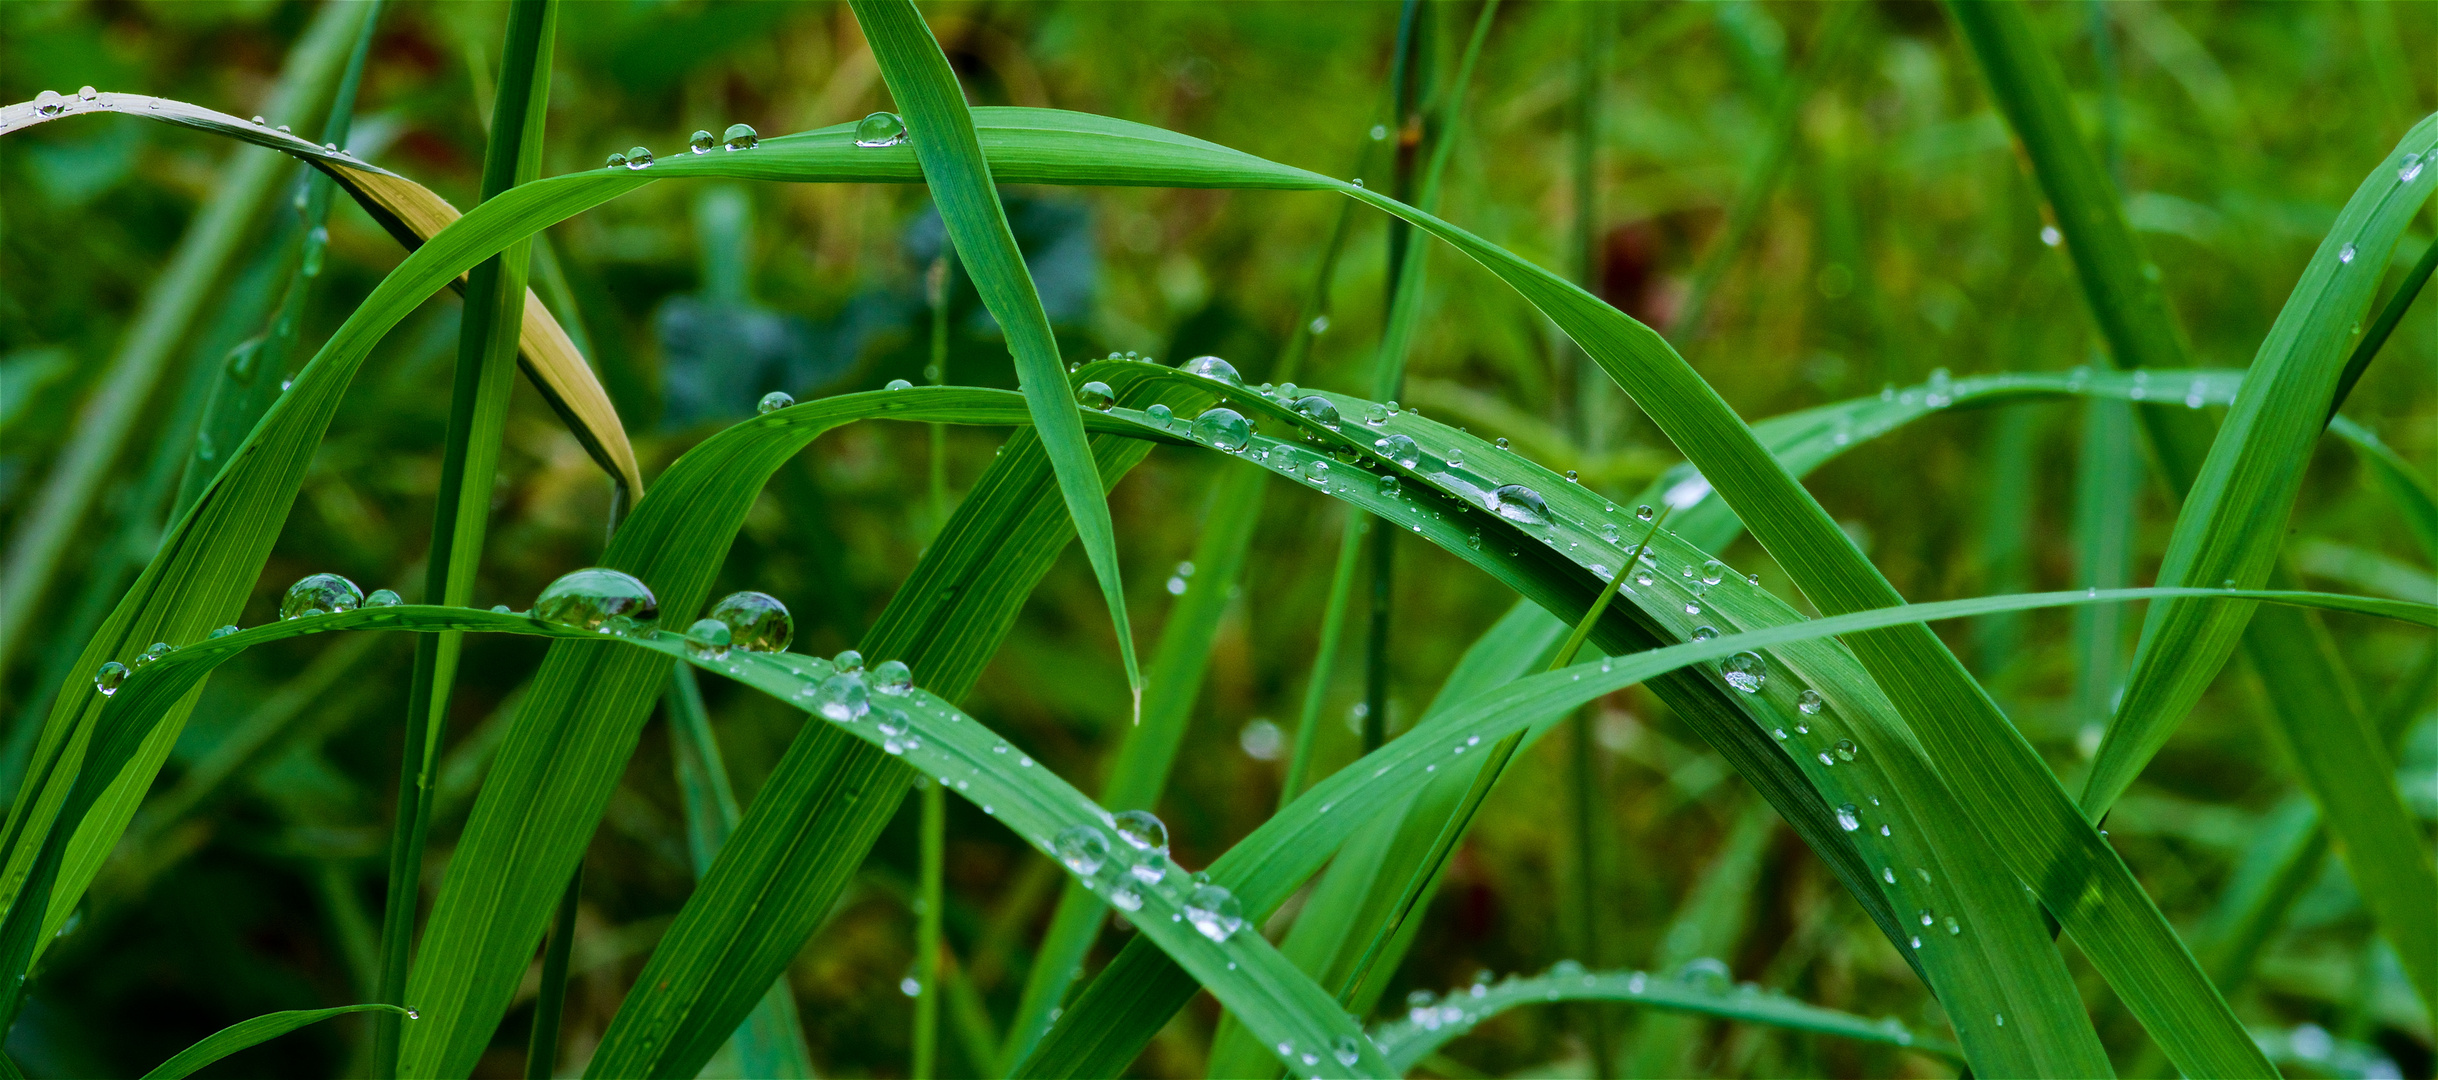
(203, 256)
(1708, 922)
(941, 128)
(1426, 1028)
(2367, 349)
(249, 1033)
(2404, 484)
(2107, 478)
(469, 465)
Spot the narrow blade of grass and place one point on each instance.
(245, 1034)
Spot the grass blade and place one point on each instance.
(1429, 1027)
(941, 127)
(249, 1033)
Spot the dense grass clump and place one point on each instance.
(1392, 539)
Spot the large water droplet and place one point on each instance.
(701, 142)
(320, 594)
(158, 650)
(741, 137)
(842, 698)
(1707, 974)
(1214, 911)
(589, 599)
(1083, 849)
(1400, 449)
(774, 401)
(1704, 633)
(1212, 367)
(1849, 817)
(898, 384)
(1808, 702)
(616, 161)
(1095, 395)
(1223, 428)
(1846, 750)
(892, 677)
(1745, 671)
(709, 639)
(757, 622)
(1159, 414)
(49, 103)
(1713, 572)
(1317, 409)
(881, 129)
(638, 157)
(384, 598)
(1519, 504)
(107, 677)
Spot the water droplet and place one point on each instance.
(741, 137)
(320, 594)
(49, 103)
(1952, 924)
(1083, 849)
(1391, 487)
(701, 142)
(1223, 427)
(1570, 477)
(1317, 470)
(589, 599)
(881, 129)
(1159, 414)
(384, 598)
(1145, 834)
(1745, 671)
(1642, 576)
(896, 731)
(1849, 817)
(892, 677)
(1455, 455)
(1124, 897)
(107, 677)
(1846, 750)
(225, 631)
(1808, 702)
(847, 660)
(1212, 367)
(1883, 830)
(499, 609)
(1317, 409)
(1704, 633)
(2345, 254)
(1917, 941)
(841, 697)
(638, 157)
(1214, 911)
(1400, 449)
(1519, 504)
(283, 129)
(1096, 395)
(2411, 168)
(1643, 513)
(158, 650)
(1713, 572)
(1707, 974)
(1888, 874)
(1926, 919)
(616, 161)
(2001, 1017)
(898, 384)
(2050, 236)
(1611, 533)
(1474, 541)
(709, 639)
(774, 401)
(1347, 1051)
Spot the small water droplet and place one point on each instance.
(384, 598)
(1808, 702)
(2411, 168)
(1473, 541)
(881, 129)
(1849, 817)
(638, 157)
(1846, 750)
(1704, 633)
(1952, 924)
(1095, 395)
(589, 599)
(2050, 236)
(107, 677)
(701, 142)
(320, 594)
(1643, 513)
(616, 161)
(225, 631)
(774, 401)
(1159, 414)
(2345, 254)
(1223, 428)
(1347, 1051)
(1745, 671)
(158, 650)
(2001, 1017)
(499, 609)
(1888, 874)
(49, 103)
(1519, 504)
(741, 137)
(1570, 477)
(891, 677)
(898, 384)
(709, 639)
(1707, 974)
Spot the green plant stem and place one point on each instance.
(550, 1002)
(478, 412)
(55, 513)
(927, 940)
(2384, 325)
(1389, 376)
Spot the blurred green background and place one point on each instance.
(1897, 233)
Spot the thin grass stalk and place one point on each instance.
(550, 1002)
(478, 412)
(1389, 376)
(2385, 325)
(932, 906)
(2107, 475)
(201, 261)
(1309, 324)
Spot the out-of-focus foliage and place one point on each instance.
(1902, 234)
